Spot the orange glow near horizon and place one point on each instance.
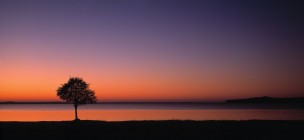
(28, 85)
(36, 82)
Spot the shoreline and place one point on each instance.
(170, 120)
(167, 129)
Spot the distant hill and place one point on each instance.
(266, 99)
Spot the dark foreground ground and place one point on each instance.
(93, 130)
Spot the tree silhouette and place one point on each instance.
(76, 91)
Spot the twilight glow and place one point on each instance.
(151, 50)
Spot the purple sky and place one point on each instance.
(256, 45)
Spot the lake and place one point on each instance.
(150, 111)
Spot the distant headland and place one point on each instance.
(266, 99)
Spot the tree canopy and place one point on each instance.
(76, 91)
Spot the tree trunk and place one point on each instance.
(76, 116)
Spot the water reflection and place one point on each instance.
(123, 115)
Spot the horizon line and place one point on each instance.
(137, 102)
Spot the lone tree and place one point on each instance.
(76, 91)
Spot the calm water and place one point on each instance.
(122, 112)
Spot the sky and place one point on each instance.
(152, 50)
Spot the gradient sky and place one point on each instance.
(152, 50)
